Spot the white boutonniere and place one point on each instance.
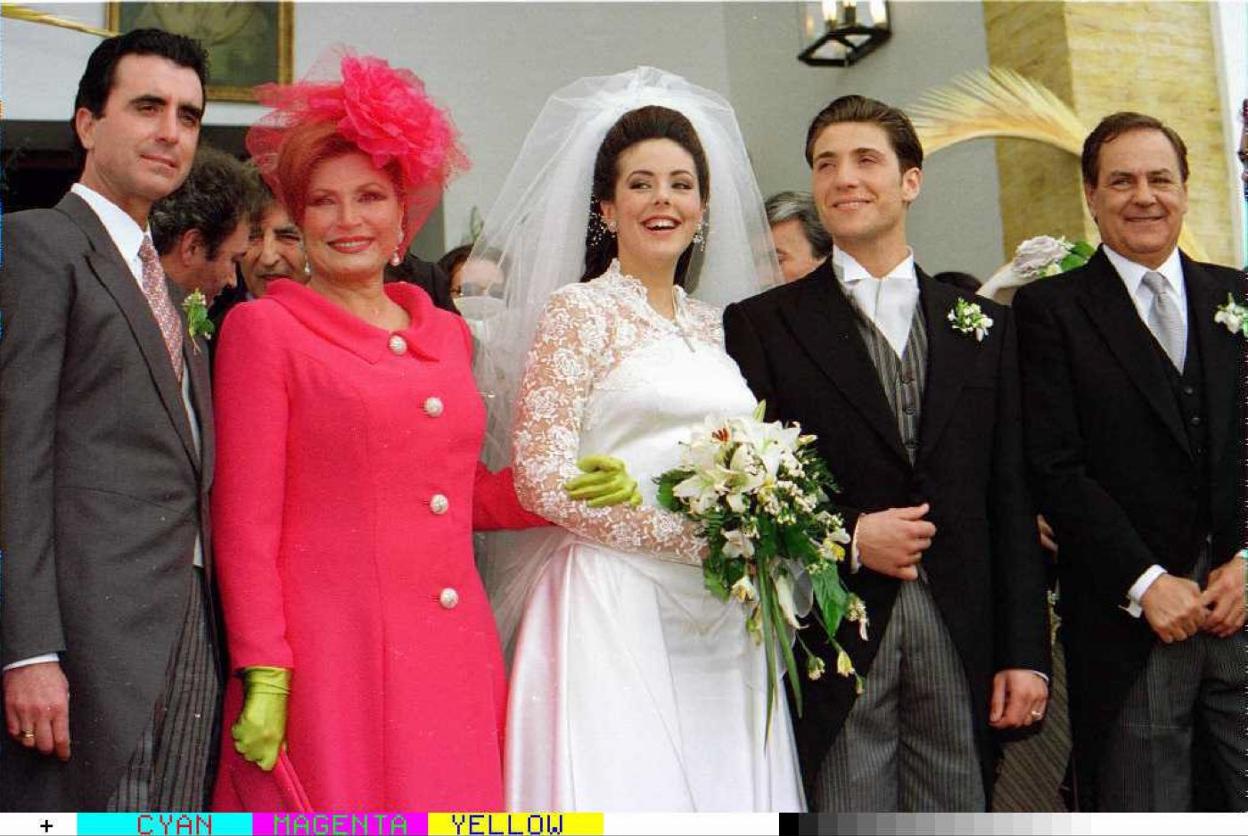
(969, 318)
(1233, 315)
(197, 322)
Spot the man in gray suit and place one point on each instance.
(106, 442)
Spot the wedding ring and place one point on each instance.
(28, 735)
(1037, 714)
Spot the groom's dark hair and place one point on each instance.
(894, 122)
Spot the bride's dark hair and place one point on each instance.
(649, 122)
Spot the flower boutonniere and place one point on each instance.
(197, 322)
(1233, 315)
(969, 318)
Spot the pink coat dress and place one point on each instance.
(347, 489)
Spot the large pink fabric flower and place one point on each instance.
(388, 115)
(383, 111)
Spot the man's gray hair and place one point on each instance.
(786, 206)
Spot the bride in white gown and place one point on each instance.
(632, 687)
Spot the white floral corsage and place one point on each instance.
(969, 318)
(1233, 315)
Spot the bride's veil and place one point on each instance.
(535, 234)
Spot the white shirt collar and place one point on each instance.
(1132, 274)
(888, 302)
(850, 272)
(126, 234)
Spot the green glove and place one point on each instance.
(261, 727)
(605, 482)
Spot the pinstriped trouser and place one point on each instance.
(170, 767)
(1147, 764)
(908, 744)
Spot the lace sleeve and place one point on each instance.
(573, 338)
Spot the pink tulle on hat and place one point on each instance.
(381, 110)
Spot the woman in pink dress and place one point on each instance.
(348, 483)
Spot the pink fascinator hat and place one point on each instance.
(373, 108)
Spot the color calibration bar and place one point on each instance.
(385, 824)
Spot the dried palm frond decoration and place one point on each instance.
(32, 16)
(996, 103)
(1000, 103)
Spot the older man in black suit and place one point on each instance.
(918, 418)
(1135, 433)
(106, 440)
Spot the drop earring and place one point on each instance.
(395, 258)
(599, 229)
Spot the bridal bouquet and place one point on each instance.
(759, 493)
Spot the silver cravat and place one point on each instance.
(1165, 319)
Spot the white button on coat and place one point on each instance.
(448, 598)
(439, 504)
(433, 407)
(397, 344)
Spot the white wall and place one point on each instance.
(1230, 24)
(493, 65)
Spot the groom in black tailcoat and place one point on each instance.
(1135, 433)
(919, 420)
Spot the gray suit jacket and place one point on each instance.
(102, 494)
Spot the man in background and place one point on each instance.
(802, 242)
(201, 231)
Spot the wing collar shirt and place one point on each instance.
(888, 302)
(1132, 275)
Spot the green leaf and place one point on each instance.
(765, 594)
(667, 484)
(715, 586)
(768, 542)
(832, 598)
(798, 545)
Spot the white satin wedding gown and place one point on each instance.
(632, 688)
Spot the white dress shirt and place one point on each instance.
(127, 236)
(1132, 275)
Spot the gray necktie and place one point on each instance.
(1165, 320)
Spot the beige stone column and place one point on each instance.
(1152, 57)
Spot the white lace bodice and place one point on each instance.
(607, 374)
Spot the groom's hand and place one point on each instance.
(1224, 598)
(892, 542)
(1173, 608)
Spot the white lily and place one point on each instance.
(784, 597)
(736, 544)
(743, 590)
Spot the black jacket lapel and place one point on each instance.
(1219, 349)
(117, 279)
(950, 356)
(1106, 300)
(823, 323)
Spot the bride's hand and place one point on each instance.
(605, 481)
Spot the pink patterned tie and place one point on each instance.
(162, 306)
